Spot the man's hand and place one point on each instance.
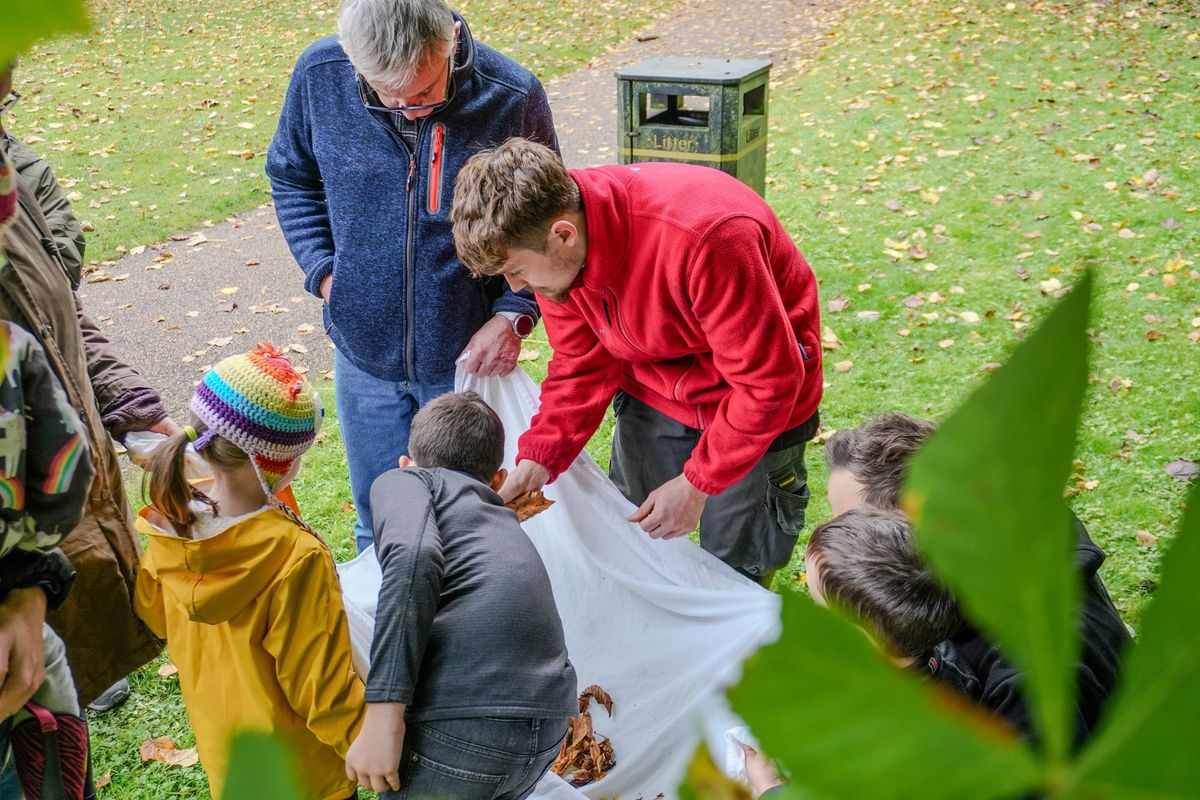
(671, 510)
(527, 476)
(374, 758)
(494, 349)
(326, 285)
(22, 660)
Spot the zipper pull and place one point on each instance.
(412, 170)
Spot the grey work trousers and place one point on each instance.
(752, 526)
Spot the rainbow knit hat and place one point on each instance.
(259, 402)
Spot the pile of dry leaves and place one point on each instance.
(582, 758)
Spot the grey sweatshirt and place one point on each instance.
(466, 624)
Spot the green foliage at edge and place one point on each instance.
(986, 496)
(1144, 748)
(259, 770)
(27, 21)
(830, 707)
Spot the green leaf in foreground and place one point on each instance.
(848, 724)
(1144, 748)
(259, 769)
(994, 472)
(27, 21)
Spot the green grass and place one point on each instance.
(159, 120)
(952, 137)
(992, 148)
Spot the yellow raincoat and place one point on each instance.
(254, 620)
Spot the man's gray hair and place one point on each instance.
(389, 41)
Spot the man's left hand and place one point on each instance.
(671, 510)
(494, 349)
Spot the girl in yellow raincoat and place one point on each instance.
(245, 594)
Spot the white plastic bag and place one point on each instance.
(662, 626)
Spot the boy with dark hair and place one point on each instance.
(867, 466)
(866, 563)
(469, 680)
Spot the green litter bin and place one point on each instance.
(710, 111)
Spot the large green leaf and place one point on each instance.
(259, 769)
(1144, 748)
(826, 704)
(986, 495)
(27, 21)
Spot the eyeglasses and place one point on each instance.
(367, 92)
(9, 102)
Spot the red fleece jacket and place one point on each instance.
(694, 300)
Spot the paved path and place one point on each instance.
(164, 307)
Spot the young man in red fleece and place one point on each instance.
(674, 292)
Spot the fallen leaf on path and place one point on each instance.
(228, 290)
(220, 341)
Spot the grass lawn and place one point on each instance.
(946, 168)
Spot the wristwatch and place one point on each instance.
(522, 324)
(50, 570)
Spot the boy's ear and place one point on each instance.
(499, 478)
(406, 462)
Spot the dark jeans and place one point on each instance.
(483, 758)
(752, 526)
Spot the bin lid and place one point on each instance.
(694, 70)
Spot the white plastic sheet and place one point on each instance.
(662, 626)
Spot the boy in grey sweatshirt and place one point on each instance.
(470, 687)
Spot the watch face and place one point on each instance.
(523, 325)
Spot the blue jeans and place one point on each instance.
(484, 758)
(374, 416)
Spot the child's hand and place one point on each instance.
(761, 771)
(374, 758)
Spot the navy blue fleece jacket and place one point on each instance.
(354, 200)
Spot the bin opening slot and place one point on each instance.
(664, 107)
(754, 102)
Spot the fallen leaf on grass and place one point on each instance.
(837, 304)
(1145, 538)
(167, 670)
(164, 751)
(843, 366)
(104, 780)
(1183, 470)
(529, 354)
